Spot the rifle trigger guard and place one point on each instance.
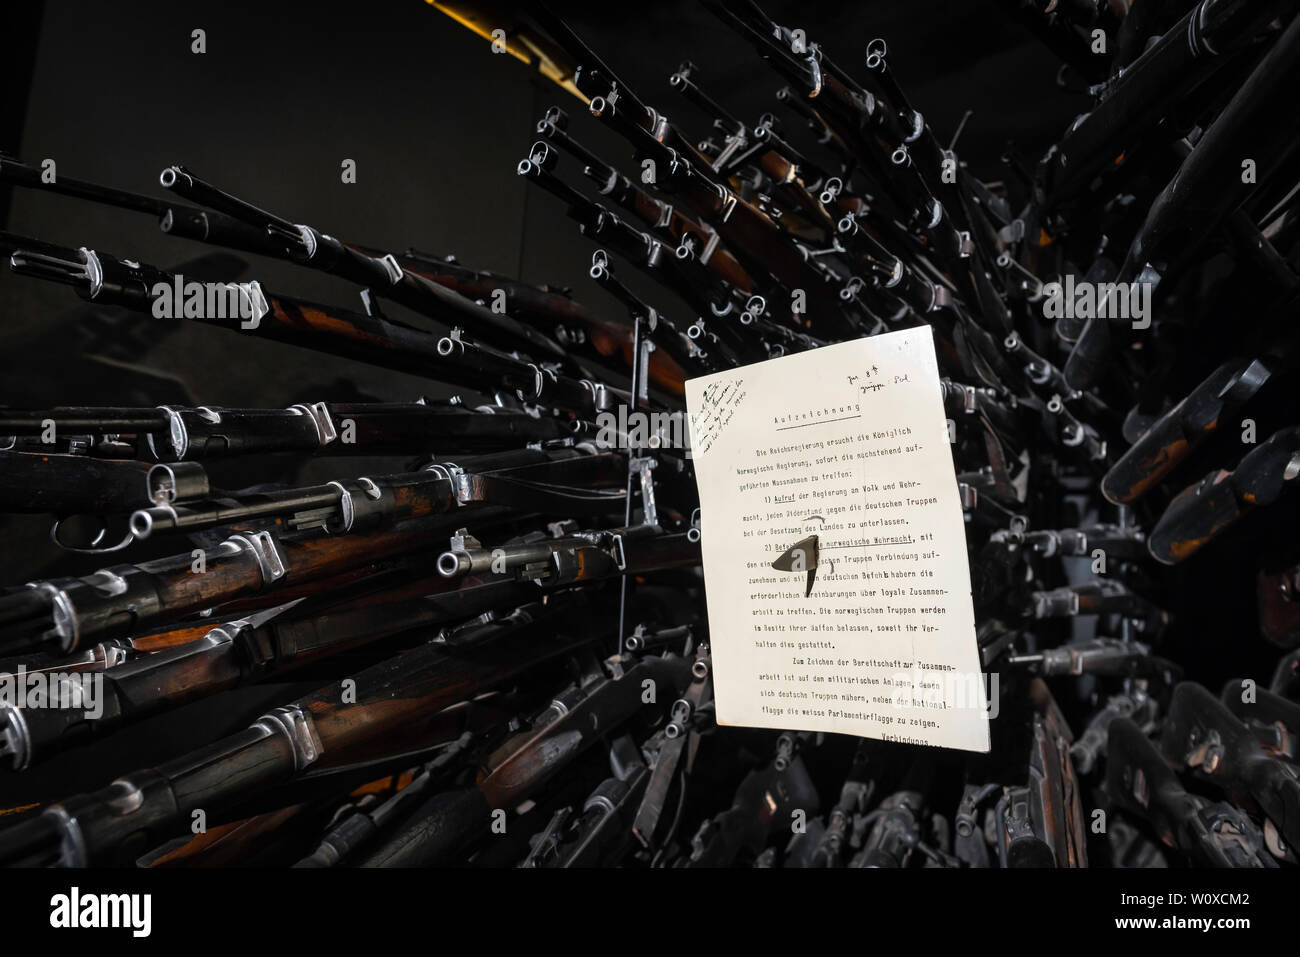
(94, 548)
(264, 549)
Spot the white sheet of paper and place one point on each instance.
(848, 443)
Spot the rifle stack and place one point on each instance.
(505, 620)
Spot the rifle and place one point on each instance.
(683, 275)
(896, 827)
(1183, 59)
(766, 800)
(1008, 551)
(1052, 790)
(1060, 36)
(873, 129)
(533, 480)
(177, 220)
(899, 285)
(109, 654)
(969, 843)
(1099, 597)
(1201, 513)
(643, 640)
(1176, 215)
(1109, 657)
(673, 748)
(1196, 200)
(1274, 719)
(375, 340)
(67, 483)
(772, 175)
(682, 347)
(896, 832)
(259, 647)
(582, 398)
(1124, 542)
(94, 828)
(1211, 833)
(449, 823)
(356, 830)
(73, 613)
(1286, 675)
(1165, 443)
(1134, 705)
(382, 272)
(571, 557)
(1205, 736)
(551, 310)
(758, 243)
(601, 832)
(998, 419)
(855, 797)
(670, 222)
(537, 306)
(175, 433)
(263, 645)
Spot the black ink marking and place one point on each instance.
(801, 556)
